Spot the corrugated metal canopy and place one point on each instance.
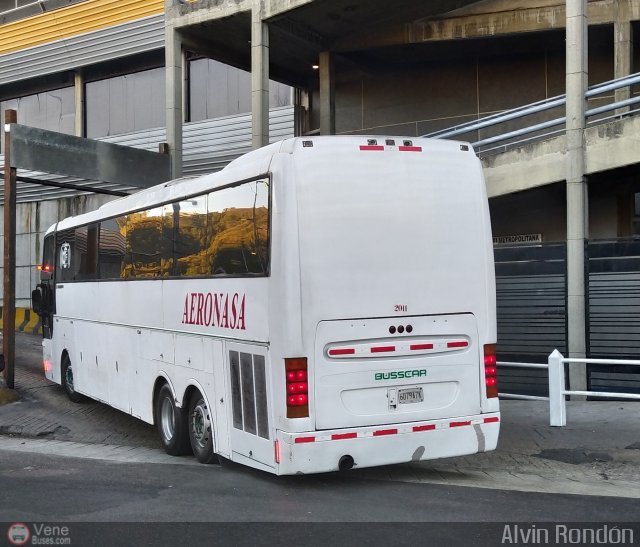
(209, 146)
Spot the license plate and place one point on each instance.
(412, 395)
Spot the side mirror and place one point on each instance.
(36, 301)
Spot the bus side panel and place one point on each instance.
(248, 372)
(221, 403)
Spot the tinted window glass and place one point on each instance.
(185, 228)
(65, 259)
(144, 244)
(48, 257)
(222, 233)
(239, 230)
(112, 248)
(85, 265)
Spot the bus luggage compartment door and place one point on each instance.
(398, 369)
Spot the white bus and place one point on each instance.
(320, 304)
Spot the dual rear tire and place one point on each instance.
(182, 432)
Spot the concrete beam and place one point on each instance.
(79, 98)
(607, 146)
(183, 15)
(174, 89)
(259, 78)
(623, 48)
(489, 19)
(327, 95)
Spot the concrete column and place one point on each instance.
(577, 222)
(80, 112)
(327, 95)
(174, 81)
(259, 78)
(623, 48)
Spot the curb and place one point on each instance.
(8, 396)
(26, 321)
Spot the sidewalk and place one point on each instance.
(597, 453)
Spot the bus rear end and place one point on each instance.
(397, 300)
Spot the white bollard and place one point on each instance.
(557, 404)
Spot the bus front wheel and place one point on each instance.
(172, 424)
(201, 430)
(67, 381)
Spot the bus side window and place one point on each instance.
(184, 229)
(85, 260)
(144, 243)
(111, 248)
(238, 239)
(65, 260)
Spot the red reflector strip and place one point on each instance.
(459, 424)
(342, 351)
(382, 349)
(305, 440)
(462, 344)
(491, 420)
(410, 148)
(340, 436)
(381, 432)
(369, 147)
(415, 347)
(429, 427)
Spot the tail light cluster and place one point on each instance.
(297, 387)
(490, 370)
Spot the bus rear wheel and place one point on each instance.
(172, 423)
(201, 430)
(67, 381)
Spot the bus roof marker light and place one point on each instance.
(307, 144)
(464, 147)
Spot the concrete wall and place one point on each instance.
(415, 91)
(32, 221)
(543, 211)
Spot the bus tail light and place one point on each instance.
(490, 371)
(297, 387)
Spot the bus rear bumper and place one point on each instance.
(322, 451)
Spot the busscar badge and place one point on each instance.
(65, 256)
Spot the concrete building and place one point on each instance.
(370, 67)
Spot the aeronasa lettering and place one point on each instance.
(400, 374)
(222, 310)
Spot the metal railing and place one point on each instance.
(511, 364)
(557, 384)
(542, 106)
(558, 390)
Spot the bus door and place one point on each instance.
(249, 431)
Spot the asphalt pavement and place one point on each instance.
(596, 454)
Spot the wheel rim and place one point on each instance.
(167, 419)
(200, 424)
(68, 376)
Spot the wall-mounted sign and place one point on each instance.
(523, 239)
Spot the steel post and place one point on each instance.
(557, 403)
(9, 285)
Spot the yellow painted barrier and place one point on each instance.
(26, 321)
